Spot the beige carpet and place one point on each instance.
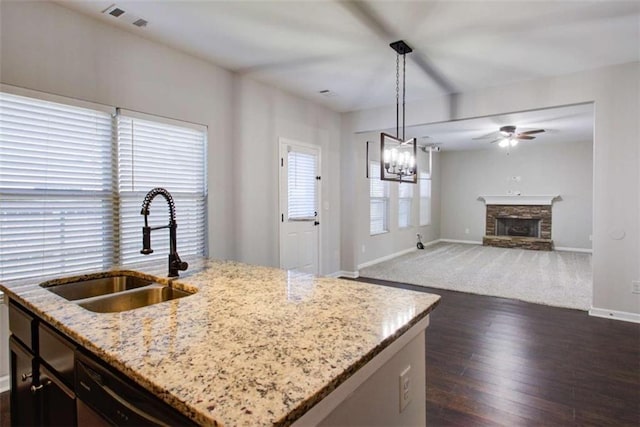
(562, 279)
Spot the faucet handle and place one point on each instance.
(146, 241)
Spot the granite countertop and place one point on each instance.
(254, 346)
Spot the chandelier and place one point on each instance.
(397, 154)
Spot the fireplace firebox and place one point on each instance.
(522, 227)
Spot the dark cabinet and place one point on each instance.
(57, 401)
(41, 372)
(23, 401)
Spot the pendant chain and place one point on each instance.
(404, 87)
(397, 95)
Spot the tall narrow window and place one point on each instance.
(155, 153)
(301, 185)
(379, 201)
(55, 188)
(405, 202)
(425, 198)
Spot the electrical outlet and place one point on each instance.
(590, 237)
(405, 388)
(635, 286)
(466, 231)
(363, 249)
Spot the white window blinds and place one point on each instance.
(156, 154)
(379, 200)
(405, 203)
(55, 188)
(301, 185)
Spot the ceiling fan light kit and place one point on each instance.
(507, 136)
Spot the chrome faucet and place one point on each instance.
(175, 263)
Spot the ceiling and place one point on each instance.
(343, 46)
(573, 123)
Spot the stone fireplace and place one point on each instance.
(518, 222)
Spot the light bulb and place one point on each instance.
(394, 155)
(503, 143)
(514, 142)
(386, 155)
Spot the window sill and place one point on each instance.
(379, 233)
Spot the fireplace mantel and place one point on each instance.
(518, 200)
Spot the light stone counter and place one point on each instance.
(254, 346)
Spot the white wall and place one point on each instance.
(616, 182)
(262, 115)
(564, 169)
(49, 48)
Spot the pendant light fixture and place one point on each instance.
(397, 154)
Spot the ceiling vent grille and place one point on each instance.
(116, 11)
(140, 22)
(123, 15)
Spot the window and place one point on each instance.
(425, 198)
(301, 185)
(379, 201)
(405, 203)
(67, 206)
(157, 154)
(55, 188)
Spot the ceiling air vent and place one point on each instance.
(121, 14)
(116, 12)
(327, 93)
(140, 23)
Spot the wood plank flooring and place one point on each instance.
(500, 362)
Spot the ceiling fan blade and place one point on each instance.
(489, 135)
(495, 140)
(521, 136)
(531, 132)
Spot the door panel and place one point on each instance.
(299, 206)
(23, 402)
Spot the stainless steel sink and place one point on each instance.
(124, 301)
(116, 293)
(94, 287)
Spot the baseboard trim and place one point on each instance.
(468, 242)
(386, 258)
(342, 273)
(431, 243)
(565, 249)
(615, 315)
(5, 384)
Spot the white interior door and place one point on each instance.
(299, 202)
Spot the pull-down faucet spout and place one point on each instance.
(175, 263)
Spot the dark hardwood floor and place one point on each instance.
(495, 361)
(500, 362)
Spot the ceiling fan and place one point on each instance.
(507, 135)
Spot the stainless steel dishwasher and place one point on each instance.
(105, 397)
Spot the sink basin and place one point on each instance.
(134, 299)
(95, 287)
(116, 293)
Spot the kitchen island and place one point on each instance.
(253, 345)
